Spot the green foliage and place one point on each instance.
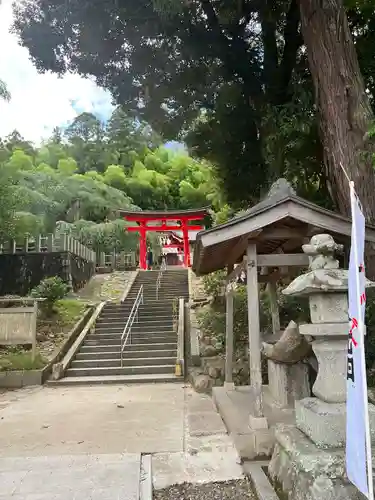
(79, 184)
(230, 78)
(214, 283)
(51, 289)
(212, 317)
(4, 93)
(101, 237)
(17, 359)
(69, 311)
(9, 202)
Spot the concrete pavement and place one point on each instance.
(83, 441)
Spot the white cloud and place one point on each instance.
(41, 102)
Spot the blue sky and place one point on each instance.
(41, 102)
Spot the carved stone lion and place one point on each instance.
(291, 348)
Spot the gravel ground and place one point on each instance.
(229, 490)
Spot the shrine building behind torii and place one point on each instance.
(164, 222)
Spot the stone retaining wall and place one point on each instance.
(21, 272)
(207, 360)
(15, 379)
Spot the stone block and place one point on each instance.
(330, 383)
(257, 444)
(32, 377)
(329, 307)
(306, 472)
(288, 383)
(205, 424)
(324, 329)
(14, 379)
(256, 423)
(325, 423)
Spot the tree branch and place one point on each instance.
(233, 52)
(293, 41)
(270, 58)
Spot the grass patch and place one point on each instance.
(18, 359)
(51, 333)
(68, 311)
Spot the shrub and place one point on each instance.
(213, 284)
(51, 289)
(212, 318)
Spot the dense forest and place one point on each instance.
(260, 89)
(77, 180)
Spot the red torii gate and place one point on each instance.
(182, 217)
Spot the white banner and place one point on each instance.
(358, 448)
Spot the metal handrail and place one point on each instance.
(163, 267)
(133, 314)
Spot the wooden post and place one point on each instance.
(102, 259)
(50, 239)
(254, 333)
(38, 243)
(228, 384)
(34, 326)
(274, 307)
(142, 246)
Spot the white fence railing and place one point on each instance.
(48, 243)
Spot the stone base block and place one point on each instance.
(306, 472)
(325, 423)
(256, 423)
(288, 383)
(254, 445)
(19, 378)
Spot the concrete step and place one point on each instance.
(128, 304)
(125, 370)
(145, 320)
(127, 354)
(123, 306)
(130, 348)
(142, 315)
(109, 317)
(141, 330)
(97, 337)
(147, 339)
(116, 379)
(126, 362)
(151, 326)
(163, 296)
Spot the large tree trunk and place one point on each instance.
(344, 108)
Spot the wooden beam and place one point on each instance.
(281, 234)
(242, 226)
(274, 307)
(240, 247)
(236, 272)
(271, 277)
(283, 259)
(229, 340)
(254, 329)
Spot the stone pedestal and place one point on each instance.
(288, 383)
(325, 423)
(306, 472)
(309, 457)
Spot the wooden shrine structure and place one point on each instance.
(265, 242)
(164, 222)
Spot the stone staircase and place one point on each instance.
(151, 355)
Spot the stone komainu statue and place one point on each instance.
(291, 348)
